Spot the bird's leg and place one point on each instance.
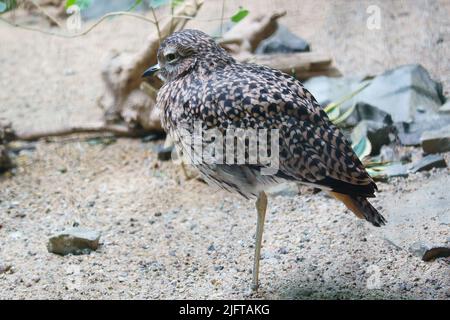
(186, 174)
(261, 206)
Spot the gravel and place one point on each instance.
(156, 226)
(201, 244)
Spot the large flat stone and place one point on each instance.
(74, 241)
(415, 217)
(436, 141)
(282, 41)
(327, 89)
(427, 163)
(407, 93)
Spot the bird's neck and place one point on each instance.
(208, 65)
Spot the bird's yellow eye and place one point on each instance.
(171, 57)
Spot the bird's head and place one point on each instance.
(182, 51)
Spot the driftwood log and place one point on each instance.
(123, 99)
(99, 127)
(127, 99)
(129, 102)
(302, 65)
(244, 37)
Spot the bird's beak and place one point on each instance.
(151, 71)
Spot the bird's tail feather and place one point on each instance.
(361, 207)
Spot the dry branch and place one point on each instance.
(303, 65)
(244, 37)
(122, 72)
(117, 130)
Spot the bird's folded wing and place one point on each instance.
(311, 149)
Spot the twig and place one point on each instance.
(221, 16)
(149, 90)
(197, 19)
(111, 14)
(45, 13)
(171, 16)
(117, 130)
(157, 24)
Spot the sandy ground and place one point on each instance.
(165, 237)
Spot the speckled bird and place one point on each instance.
(204, 83)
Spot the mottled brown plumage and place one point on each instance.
(204, 83)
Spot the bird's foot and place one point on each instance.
(250, 291)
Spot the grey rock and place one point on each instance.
(218, 268)
(6, 135)
(282, 41)
(396, 170)
(445, 219)
(419, 248)
(165, 153)
(5, 160)
(410, 133)
(407, 93)
(429, 252)
(152, 137)
(427, 163)
(366, 111)
(388, 154)
(445, 108)
(413, 216)
(378, 133)
(74, 241)
(327, 89)
(436, 141)
(5, 268)
(68, 72)
(435, 253)
(407, 135)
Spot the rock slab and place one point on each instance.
(436, 141)
(282, 41)
(74, 241)
(414, 219)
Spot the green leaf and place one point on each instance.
(360, 143)
(376, 168)
(70, 3)
(362, 148)
(334, 113)
(134, 5)
(341, 118)
(175, 3)
(82, 4)
(241, 14)
(158, 3)
(333, 108)
(377, 175)
(6, 5)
